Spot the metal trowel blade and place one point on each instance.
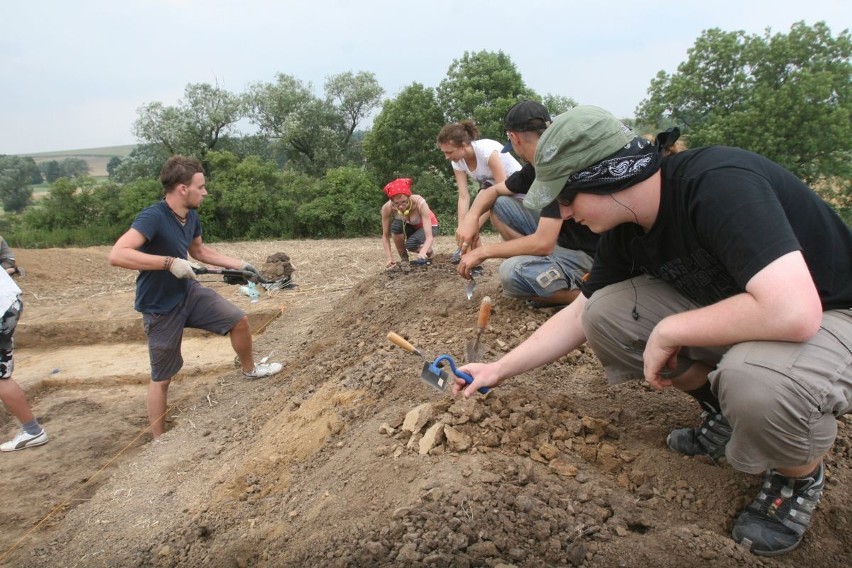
(469, 288)
(438, 380)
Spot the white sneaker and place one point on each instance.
(24, 440)
(263, 370)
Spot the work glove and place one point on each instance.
(182, 269)
(246, 267)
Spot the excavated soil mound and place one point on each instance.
(347, 458)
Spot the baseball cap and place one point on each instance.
(577, 139)
(525, 116)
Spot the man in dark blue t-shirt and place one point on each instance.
(720, 273)
(167, 292)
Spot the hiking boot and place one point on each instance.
(709, 438)
(263, 370)
(23, 440)
(777, 518)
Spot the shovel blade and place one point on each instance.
(469, 288)
(435, 380)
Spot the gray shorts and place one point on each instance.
(202, 308)
(780, 397)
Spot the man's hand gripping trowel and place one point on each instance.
(432, 373)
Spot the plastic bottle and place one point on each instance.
(253, 293)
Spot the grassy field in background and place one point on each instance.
(97, 158)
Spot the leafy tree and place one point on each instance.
(346, 204)
(34, 171)
(144, 162)
(482, 86)
(73, 167)
(112, 166)
(245, 197)
(195, 125)
(309, 128)
(69, 204)
(786, 96)
(253, 145)
(355, 96)
(557, 104)
(439, 190)
(15, 183)
(51, 170)
(402, 140)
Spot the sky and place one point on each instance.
(74, 74)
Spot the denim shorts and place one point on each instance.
(780, 397)
(7, 338)
(202, 308)
(525, 276)
(414, 237)
(511, 212)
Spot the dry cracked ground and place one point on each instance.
(347, 458)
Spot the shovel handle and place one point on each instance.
(460, 374)
(400, 341)
(484, 313)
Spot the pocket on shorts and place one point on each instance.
(816, 367)
(783, 359)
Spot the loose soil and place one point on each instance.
(319, 466)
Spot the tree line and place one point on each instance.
(310, 169)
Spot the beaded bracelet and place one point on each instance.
(168, 262)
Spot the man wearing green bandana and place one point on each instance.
(720, 273)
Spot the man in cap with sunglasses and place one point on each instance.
(719, 273)
(546, 256)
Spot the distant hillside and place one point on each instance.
(97, 158)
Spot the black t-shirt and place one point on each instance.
(725, 214)
(571, 235)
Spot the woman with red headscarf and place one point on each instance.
(403, 217)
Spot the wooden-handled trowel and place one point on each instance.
(474, 350)
(432, 374)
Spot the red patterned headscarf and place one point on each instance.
(397, 186)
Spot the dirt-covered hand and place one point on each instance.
(660, 360)
(467, 237)
(469, 261)
(182, 269)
